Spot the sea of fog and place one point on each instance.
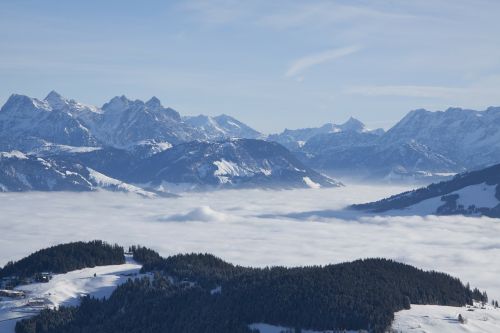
(257, 228)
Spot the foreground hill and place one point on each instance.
(470, 193)
(202, 293)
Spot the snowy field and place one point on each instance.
(444, 319)
(257, 228)
(64, 289)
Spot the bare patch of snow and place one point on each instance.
(444, 319)
(310, 183)
(115, 184)
(14, 154)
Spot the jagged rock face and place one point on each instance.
(27, 122)
(125, 123)
(471, 138)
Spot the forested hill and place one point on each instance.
(64, 258)
(202, 293)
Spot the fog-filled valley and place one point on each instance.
(257, 228)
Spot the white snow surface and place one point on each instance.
(13, 154)
(310, 183)
(444, 319)
(229, 168)
(66, 289)
(480, 195)
(260, 228)
(115, 184)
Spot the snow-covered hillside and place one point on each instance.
(445, 319)
(471, 193)
(64, 289)
(221, 127)
(229, 163)
(21, 172)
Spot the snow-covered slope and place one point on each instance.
(469, 137)
(444, 319)
(471, 193)
(22, 172)
(65, 289)
(229, 163)
(221, 127)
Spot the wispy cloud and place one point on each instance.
(326, 13)
(304, 63)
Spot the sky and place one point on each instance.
(271, 64)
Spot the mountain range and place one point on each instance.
(137, 142)
(60, 144)
(423, 145)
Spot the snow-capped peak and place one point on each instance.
(55, 100)
(117, 103)
(353, 124)
(22, 104)
(54, 96)
(154, 103)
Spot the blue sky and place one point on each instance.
(271, 64)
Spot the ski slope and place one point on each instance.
(65, 289)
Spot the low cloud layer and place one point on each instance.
(257, 228)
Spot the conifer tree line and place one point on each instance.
(64, 258)
(202, 293)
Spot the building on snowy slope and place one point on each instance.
(12, 293)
